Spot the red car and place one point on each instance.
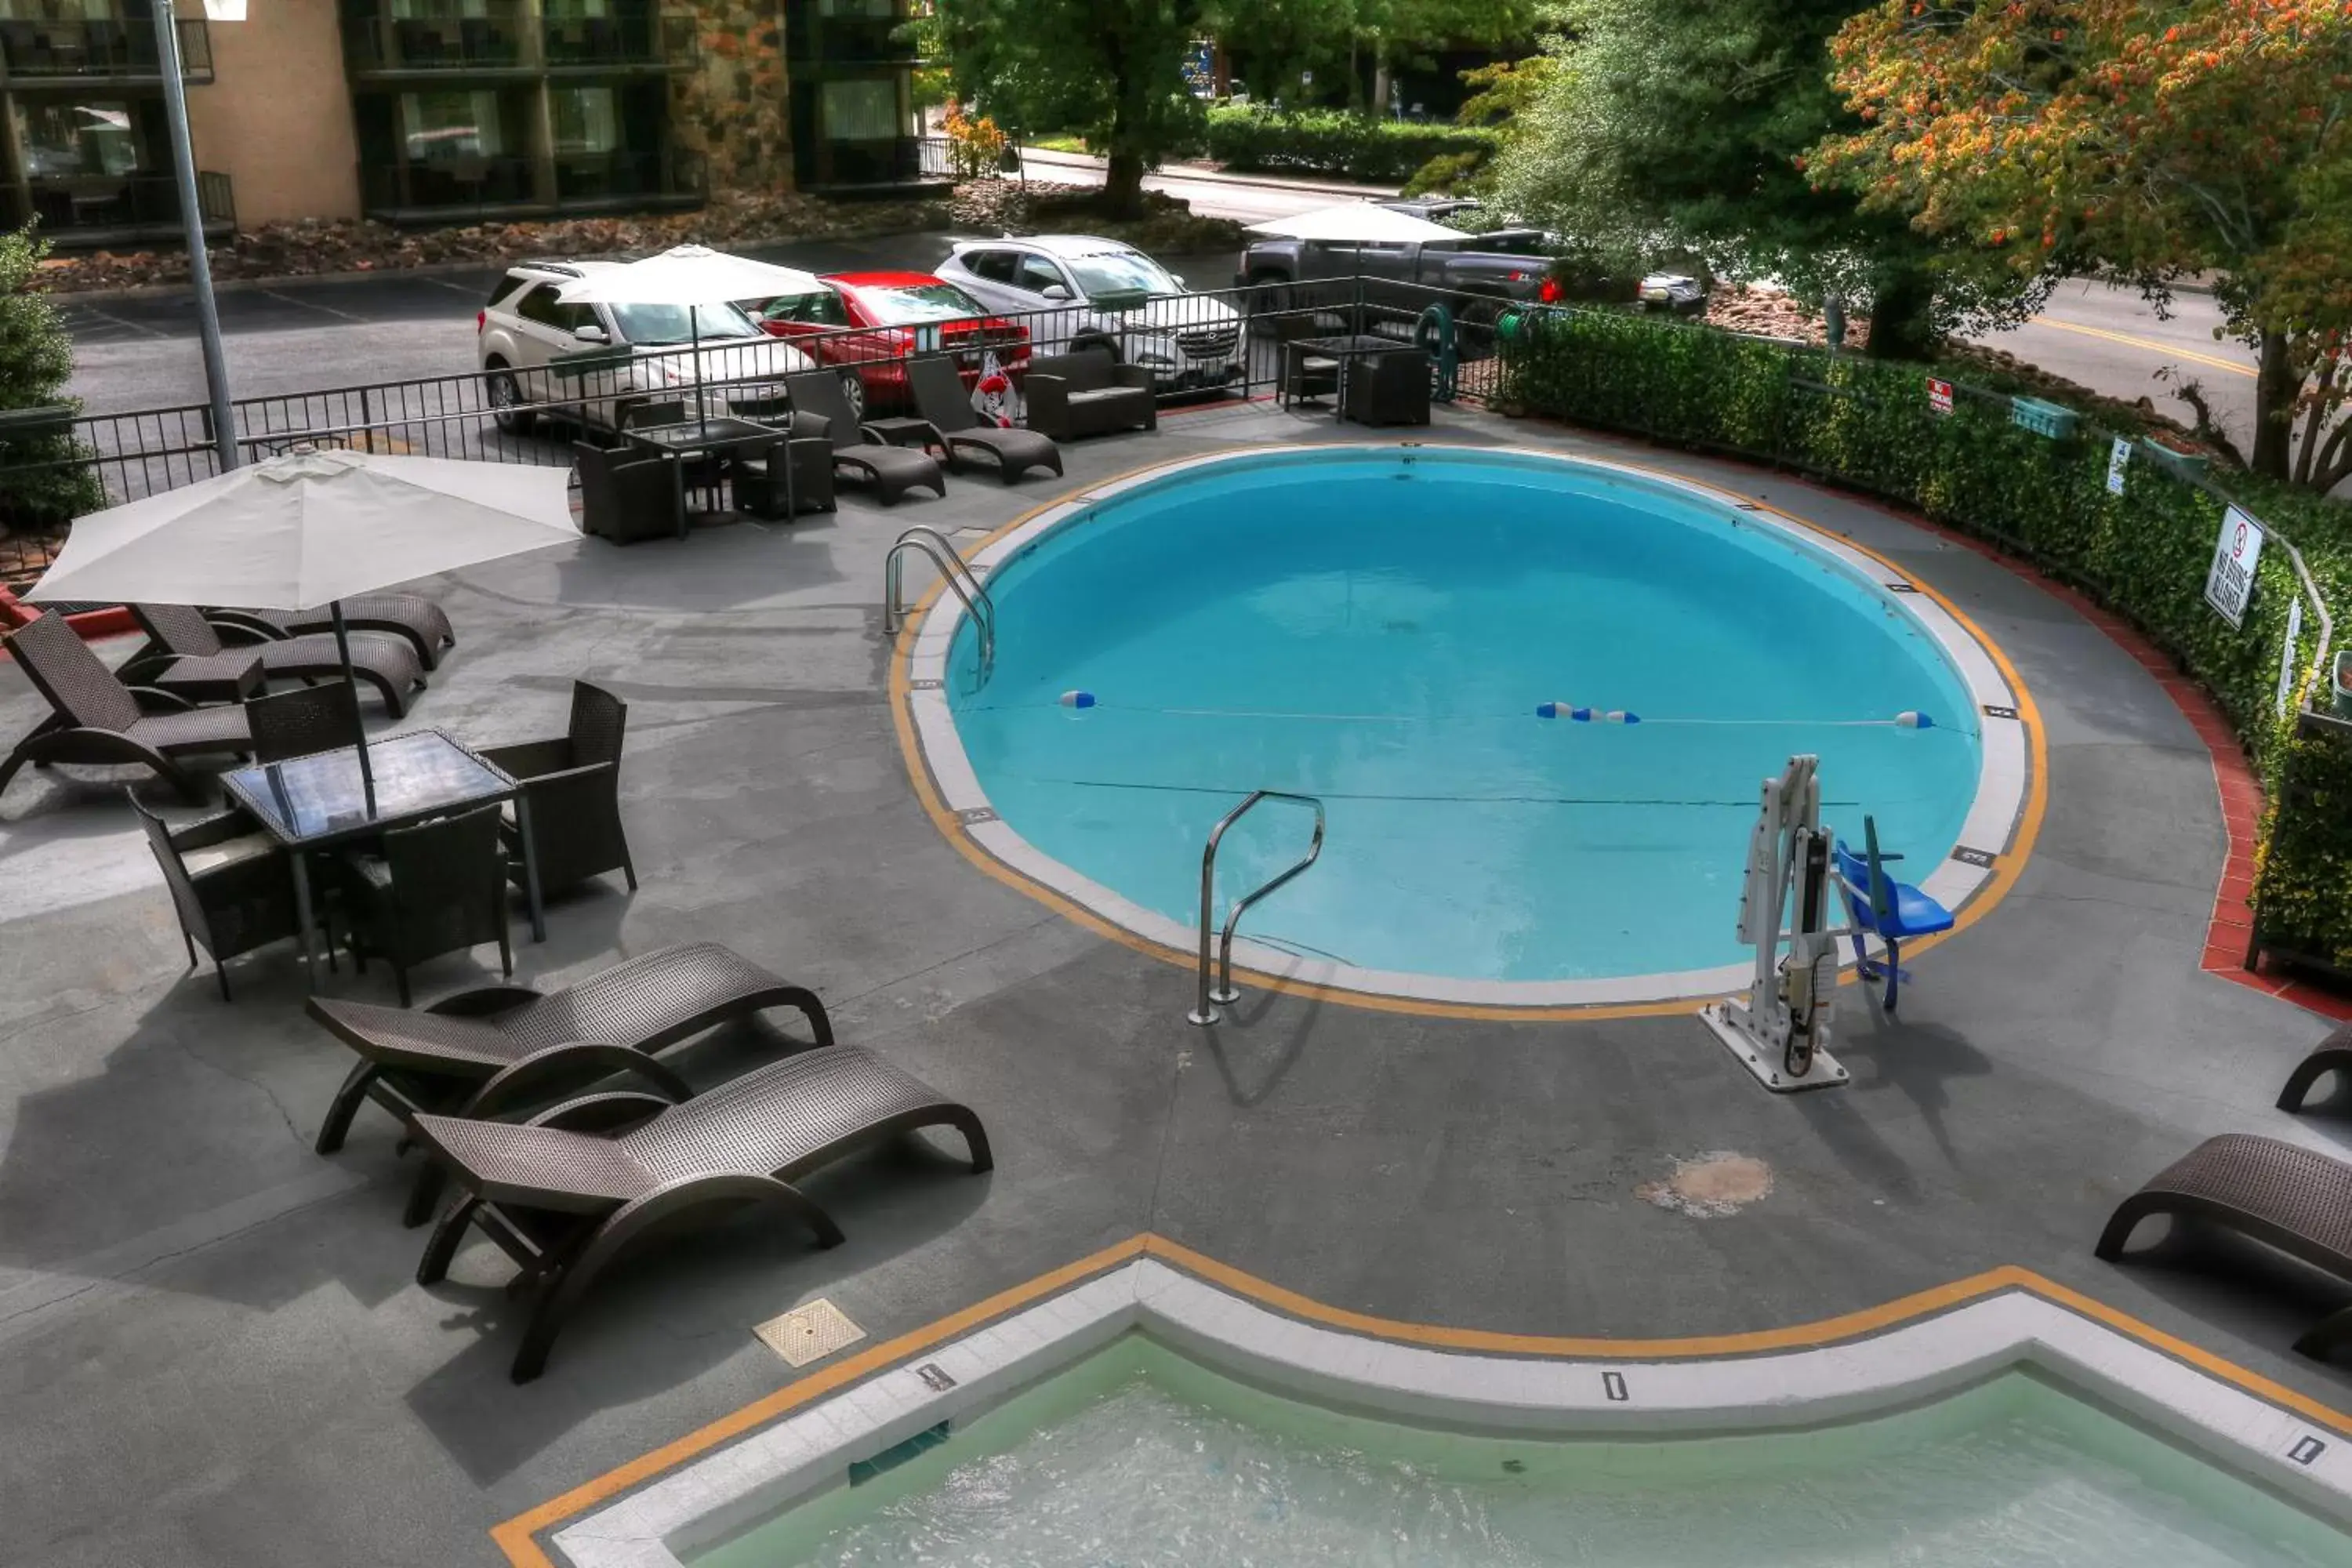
(869, 323)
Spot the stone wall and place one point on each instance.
(734, 111)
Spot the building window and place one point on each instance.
(63, 140)
(857, 8)
(585, 119)
(862, 110)
(436, 126)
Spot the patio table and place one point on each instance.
(229, 677)
(705, 438)
(316, 802)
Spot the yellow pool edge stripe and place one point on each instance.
(2007, 867)
(518, 1537)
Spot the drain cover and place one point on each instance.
(809, 1333)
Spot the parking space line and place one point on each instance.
(307, 305)
(114, 320)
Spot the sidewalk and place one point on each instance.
(1208, 174)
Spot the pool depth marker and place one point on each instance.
(1779, 1030)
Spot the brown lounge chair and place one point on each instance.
(2332, 1055)
(2281, 1193)
(419, 620)
(891, 471)
(941, 398)
(563, 1202)
(182, 642)
(95, 718)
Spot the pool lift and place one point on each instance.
(1780, 1029)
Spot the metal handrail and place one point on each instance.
(1204, 1012)
(943, 555)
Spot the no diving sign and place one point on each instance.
(2231, 581)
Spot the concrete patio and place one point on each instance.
(212, 1348)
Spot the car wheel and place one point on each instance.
(505, 395)
(853, 392)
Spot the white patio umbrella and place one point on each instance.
(1358, 223)
(691, 275)
(310, 529)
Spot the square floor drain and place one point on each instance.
(809, 1333)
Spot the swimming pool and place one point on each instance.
(1142, 1457)
(1536, 695)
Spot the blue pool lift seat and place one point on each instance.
(1879, 906)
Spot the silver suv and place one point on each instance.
(1073, 290)
(595, 361)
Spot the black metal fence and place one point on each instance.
(1200, 347)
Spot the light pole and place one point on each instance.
(200, 267)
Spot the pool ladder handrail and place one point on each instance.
(1204, 1010)
(955, 571)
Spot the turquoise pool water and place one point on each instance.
(1379, 630)
(1139, 1458)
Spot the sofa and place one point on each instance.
(1088, 394)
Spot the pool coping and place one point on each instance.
(1996, 836)
(801, 1441)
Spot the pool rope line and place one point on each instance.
(2008, 866)
(1075, 703)
(520, 1537)
(1225, 792)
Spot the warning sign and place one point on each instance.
(2231, 581)
(1939, 396)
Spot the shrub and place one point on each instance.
(975, 143)
(1867, 424)
(1445, 174)
(1326, 141)
(42, 484)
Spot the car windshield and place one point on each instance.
(657, 324)
(1121, 272)
(906, 304)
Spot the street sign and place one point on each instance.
(2118, 460)
(1939, 396)
(2286, 654)
(2230, 582)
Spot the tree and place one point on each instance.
(42, 480)
(2151, 139)
(1684, 125)
(1111, 69)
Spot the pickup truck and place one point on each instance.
(1503, 265)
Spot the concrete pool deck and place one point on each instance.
(212, 1350)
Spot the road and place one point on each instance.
(140, 352)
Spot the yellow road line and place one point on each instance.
(2150, 344)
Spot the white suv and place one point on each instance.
(639, 353)
(1073, 290)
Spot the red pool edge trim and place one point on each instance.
(88, 624)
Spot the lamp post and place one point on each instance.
(200, 268)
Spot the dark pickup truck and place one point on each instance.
(1503, 265)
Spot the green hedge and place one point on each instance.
(1326, 141)
(2143, 553)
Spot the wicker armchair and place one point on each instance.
(229, 882)
(306, 719)
(625, 498)
(572, 782)
(802, 451)
(439, 887)
(1390, 388)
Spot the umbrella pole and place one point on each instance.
(343, 648)
(694, 331)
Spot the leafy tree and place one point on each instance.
(1278, 39)
(1111, 69)
(2150, 138)
(41, 483)
(1684, 125)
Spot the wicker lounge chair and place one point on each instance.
(178, 639)
(891, 471)
(420, 621)
(563, 1201)
(941, 398)
(95, 718)
(483, 1050)
(228, 879)
(2281, 1193)
(2332, 1055)
(572, 782)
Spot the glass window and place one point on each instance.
(584, 119)
(822, 309)
(62, 140)
(864, 109)
(1037, 275)
(450, 125)
(996, 266)
(1121, 272)
(667, 324)
(540, 305)
(912, 303)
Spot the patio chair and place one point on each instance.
(420, 621)
(2283, 1194)
(2332, 1055)
(1088, 394)
(1387, 388)
(1306, 376)
(181, 641)
(572, 782)
(941, 398)
(803, 448)
(481, 1051)
(563, 1201)
(305, 720)
(439, 886)
(1877, 905)
(626, 496)
(891, 471)
(228, 879)
(95, 718)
